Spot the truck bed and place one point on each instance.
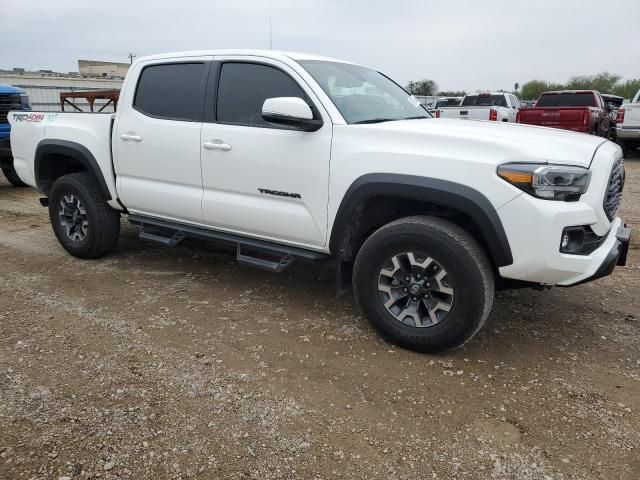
(90, 130)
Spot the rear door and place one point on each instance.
(260, 179)
(156, 140)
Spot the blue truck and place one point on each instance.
(11, 98)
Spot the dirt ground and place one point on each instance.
(179, 363)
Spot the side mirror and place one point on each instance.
(290, 111)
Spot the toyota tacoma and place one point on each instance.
(298, 157)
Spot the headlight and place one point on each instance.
(551, 182)
(24, 101)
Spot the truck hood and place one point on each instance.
(509, 141)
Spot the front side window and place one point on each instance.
(244, 87)
(363, 95)
(171, 91)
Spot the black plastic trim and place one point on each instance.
(434, 191)
(616, 256)
(74, 150)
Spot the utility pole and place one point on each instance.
(131, 57)
(270, 34)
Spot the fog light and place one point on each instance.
(572, 239)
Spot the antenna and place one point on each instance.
(270, 34)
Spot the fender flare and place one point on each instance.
(434, 191)
(70, 149)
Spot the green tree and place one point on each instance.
(627, 89)
(604, 82)
(424, 87)
(533, 88)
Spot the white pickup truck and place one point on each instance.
(293, 156)
(494, 106)
(628, 125)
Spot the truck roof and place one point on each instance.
(554, 92)
(4, 89)
(275, 54)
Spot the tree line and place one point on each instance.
(604, 82)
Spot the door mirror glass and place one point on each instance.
(291, 111)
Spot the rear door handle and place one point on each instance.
(216, 145)
(131, 136)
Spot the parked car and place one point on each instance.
(11, 98)
(444, 102)
(298, 157)
(495, 106)
(577, 110)
(628, 125)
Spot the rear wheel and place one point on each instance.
(12, 176)
(84, 224)
(424, 283)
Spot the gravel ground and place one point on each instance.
(179, 363)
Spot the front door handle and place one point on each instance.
(131, 136)
(216, 145)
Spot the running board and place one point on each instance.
(270, 256)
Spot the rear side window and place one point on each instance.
(244, 87)
(484, 101)
(567, 100)
(171, 91)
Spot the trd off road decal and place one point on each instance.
(34, 117)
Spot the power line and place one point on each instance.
(62, 49)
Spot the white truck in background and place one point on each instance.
(494, 106)
(293, 156)
(628, 125)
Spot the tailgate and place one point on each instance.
(466, 113)
(553, 117)
(631, 115)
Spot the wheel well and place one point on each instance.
(53, 166)
(375, 212)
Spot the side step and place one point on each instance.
(266, 255)
(172, 241)
(275, 266)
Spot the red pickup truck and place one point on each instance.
(577, 110)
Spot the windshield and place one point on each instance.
(483, 100)
(566, 100)
(363, 95)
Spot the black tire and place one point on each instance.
(13, 177)
(468, 274)
(625, 147)
(102, 229)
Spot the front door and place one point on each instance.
(156, 140)
(262, 180)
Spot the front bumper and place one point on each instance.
(617, 255)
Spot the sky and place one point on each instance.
(461, 44)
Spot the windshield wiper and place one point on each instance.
(415, 118)
(375, 120)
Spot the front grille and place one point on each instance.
(613, 195)
(9, 102)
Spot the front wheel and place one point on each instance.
(84, 224)
(424, 283)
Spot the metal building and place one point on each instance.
(44, 87)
